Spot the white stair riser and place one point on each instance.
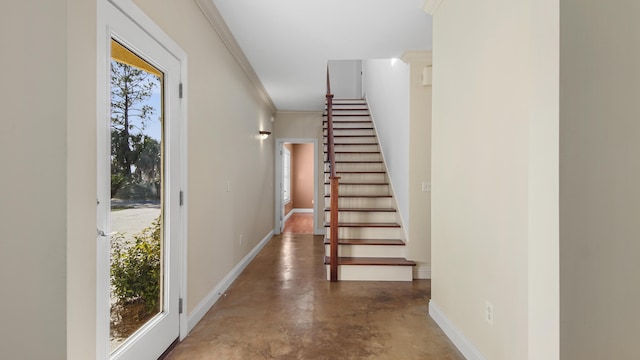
(359, 217)
(356, 167)
(361, 178)
(361, 202)
(360, 189)
(357, 157)
(349, 106)
(341, 131)
(338, 126)
(366, 233)
(353, 140)
(353, 147)
(368, 251)
(363, 112)
(373, 273)
(348, 119)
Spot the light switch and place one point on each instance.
(426, 187)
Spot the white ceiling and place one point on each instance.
(288, 42)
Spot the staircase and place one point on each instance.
(370, 237)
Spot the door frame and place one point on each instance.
(317, 228)
(104, 36)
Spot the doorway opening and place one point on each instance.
(297, 186)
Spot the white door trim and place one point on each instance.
(318, 229)
(104, 22)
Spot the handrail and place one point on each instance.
(334, 182)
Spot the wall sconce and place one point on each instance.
(263, 135)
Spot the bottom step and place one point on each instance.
(372, 269)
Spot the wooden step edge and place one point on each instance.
(350, 136)
(347, 121)
(372, 261)
(340, 144)
(351, 128)
(363, 209)
(365, 225)
(384, 242)
(357, 162)
(354, 152)
(361, 183)
(360, 196)
(358, 172)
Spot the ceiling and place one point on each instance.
(288, 42)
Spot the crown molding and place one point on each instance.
(431, 6)
(216, 20)
(416, 55)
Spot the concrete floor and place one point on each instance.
(281, 307)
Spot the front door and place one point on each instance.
(138, 203)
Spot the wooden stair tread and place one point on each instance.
(356, 162)
(342, 121)
(360, 225)
(372, 261)
(355, 152)
(353, 128)
(350, 136)
(390, 242)
(368, 143)
(358, 172)
(360, 183)
(364, 209)
(359, 196)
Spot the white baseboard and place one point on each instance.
(456, 336)
(422, 272)
(303, 210)
(198, 313)
(286, 217)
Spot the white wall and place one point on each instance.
(386, 86)
(33, 183)
(495, 175)
(599, 177)
(346, 79)
(419, 231)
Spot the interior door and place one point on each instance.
(139, 194)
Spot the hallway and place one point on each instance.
(281, 307)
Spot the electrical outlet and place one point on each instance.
(488, 312)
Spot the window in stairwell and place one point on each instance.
(286, 175)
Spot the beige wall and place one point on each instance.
(33, 181)
(48, 217)
(81, 180)
(419, 232)
(225, 114)
(302, 125)
(599, 177)
(302, 192)
(494, 174)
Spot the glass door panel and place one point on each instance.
(137, 191)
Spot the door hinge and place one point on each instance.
(179, 306)
(180, 90)
(181, 197)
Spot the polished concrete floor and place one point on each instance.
(281, 307)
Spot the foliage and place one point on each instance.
(135, 157)
(135, 268)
